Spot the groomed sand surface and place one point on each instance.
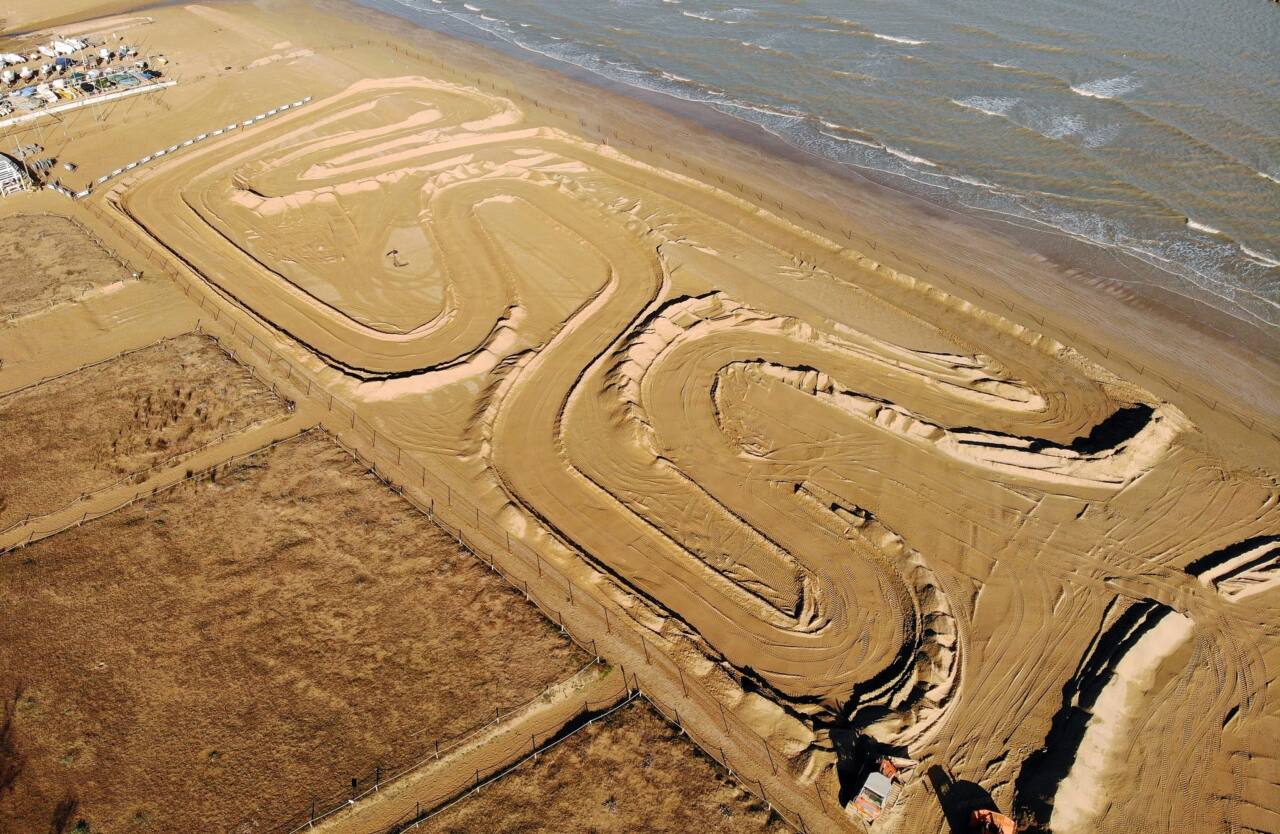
(839, 496)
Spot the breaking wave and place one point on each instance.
(1107, 87)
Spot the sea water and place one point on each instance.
(1147, 126)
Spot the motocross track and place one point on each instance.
(884, 508)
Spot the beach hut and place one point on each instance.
(13, 177)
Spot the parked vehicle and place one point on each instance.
(877, 792)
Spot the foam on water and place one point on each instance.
(895, 39)
(1265, 260)
(992, 106)
(1107, 87)
(852, 140)
(1200, 227)
(918, 160)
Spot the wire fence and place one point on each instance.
(6, 318)
(414, 753)
(141, 474)
(468, 783)
(141, 494)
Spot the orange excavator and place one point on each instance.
(990, 822)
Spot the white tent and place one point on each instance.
(13, 178)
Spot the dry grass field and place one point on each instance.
(630, 772)
(50, 260)
(210, 659)
(91, 428)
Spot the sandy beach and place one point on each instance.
(817, 466)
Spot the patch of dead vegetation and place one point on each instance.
(213, 657)
(47, 260)
(631, 771)
(90, 429)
